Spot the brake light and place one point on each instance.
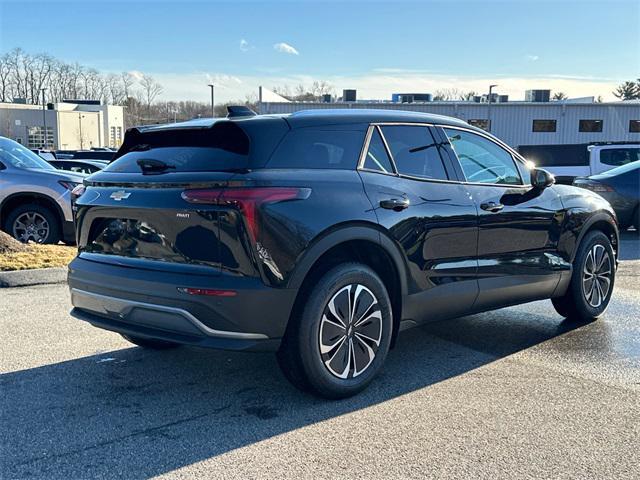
(245, 199)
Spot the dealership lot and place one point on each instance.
(516, 393)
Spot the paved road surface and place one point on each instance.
(516, 393)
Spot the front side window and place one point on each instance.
(377, 157)
(482, 160)
(619, 156)
(590, 126)
(634, 126)
(414, 151)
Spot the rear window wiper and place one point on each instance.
(153, 166)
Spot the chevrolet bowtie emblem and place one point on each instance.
(119, 195)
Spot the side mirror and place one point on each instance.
(541, 179)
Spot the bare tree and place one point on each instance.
(560, 96)
(150, 89)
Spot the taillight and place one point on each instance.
(78, 190)
(597, 187)
(245, 199)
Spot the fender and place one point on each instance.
(589, 222)
(345, 234)
(39, 196)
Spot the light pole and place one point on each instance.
(489, 107)
(44, 120)
(213, 114)
(80, 117)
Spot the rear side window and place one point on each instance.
(414, 151)
(619, 156)
(223, 147)
(377, 157)
(319, 147)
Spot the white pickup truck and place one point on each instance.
(567, 162)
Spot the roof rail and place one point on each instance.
(235, 111)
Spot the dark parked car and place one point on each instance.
(322, 234)
(621, 188)
(106, 155)
(80, 166)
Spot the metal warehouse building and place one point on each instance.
(517, 123)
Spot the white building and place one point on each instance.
(69, 126)
(517, 123)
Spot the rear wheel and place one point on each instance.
(33, 223)
(339, 340)
(592, 281)
(149, 342)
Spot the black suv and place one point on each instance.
(322, 234)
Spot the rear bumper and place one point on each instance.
(148, 303)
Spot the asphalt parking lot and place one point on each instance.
(515, 393)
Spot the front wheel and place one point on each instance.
(591, 286)
(339, 340)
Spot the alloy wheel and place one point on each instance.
(350, 331)
(596, 275)
(31, 226)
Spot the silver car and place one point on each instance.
(35, 203)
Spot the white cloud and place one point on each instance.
(533, 58)
(285, 48)
(136, 74)
(244, 45)
(375, 84)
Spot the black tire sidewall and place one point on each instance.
(582, 306)
(53, 220)
(319, 378)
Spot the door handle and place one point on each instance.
(395, 204)
(492, 207)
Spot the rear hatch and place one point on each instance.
(136, 212)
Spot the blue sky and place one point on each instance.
(378, 47)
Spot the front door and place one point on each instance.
(518, 225)
(432, 219)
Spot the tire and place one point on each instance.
(322, 357)
(149, 342)
(584, 301)
(23, 224)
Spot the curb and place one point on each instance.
(37, 276)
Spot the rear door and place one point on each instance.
(429, 215)
(519, 226)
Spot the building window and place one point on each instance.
(482, 123)
(36, 138)
(590, 126)
(544, 125)
(634, 126)
(115, 136)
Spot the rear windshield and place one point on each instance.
(319, 147)
(223, 147)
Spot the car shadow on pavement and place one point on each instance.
(140, 413)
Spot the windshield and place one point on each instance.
(622, 169)
(14, 154)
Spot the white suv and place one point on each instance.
(35, 203)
